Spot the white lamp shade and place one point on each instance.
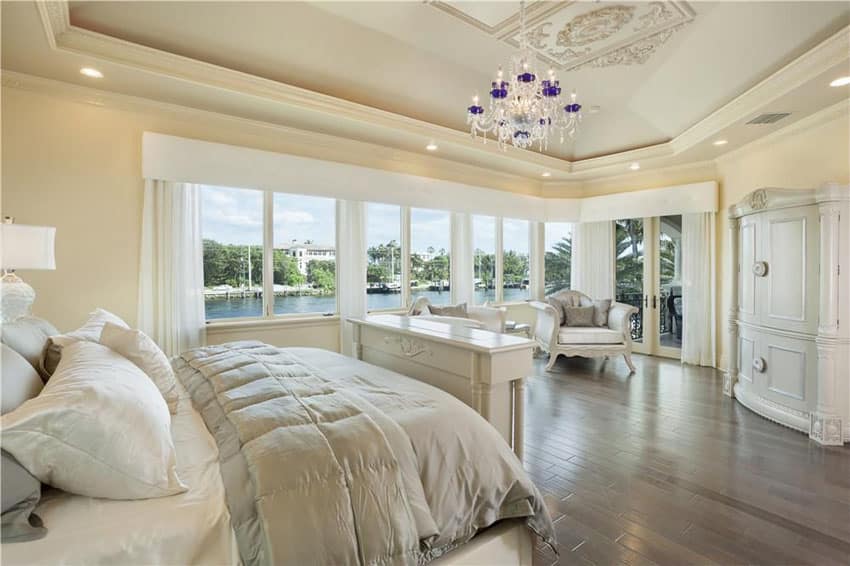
(27, 247)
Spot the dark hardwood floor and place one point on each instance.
(661, 468)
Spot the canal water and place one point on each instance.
(253, 306)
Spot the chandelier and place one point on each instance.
(524, 110)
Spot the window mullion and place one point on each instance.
(500, 259)
(268, 254)
(405, 256)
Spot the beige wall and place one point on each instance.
(799, 159)
(78, 167)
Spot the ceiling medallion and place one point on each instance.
(524, 110)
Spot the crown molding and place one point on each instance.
(818, 118)
(807, 66)
(62, 35)
(286, 139)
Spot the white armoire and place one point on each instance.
(789, 323)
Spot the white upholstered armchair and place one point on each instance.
(587, 341)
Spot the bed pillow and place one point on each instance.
(29, 336)
(140, 349)
(18, 382)
(579, 316)
(20, 493)
(90, 331)
(99, 428)
(458, 311)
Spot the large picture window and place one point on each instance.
(430, 242)
(484, 257)
(558, 256)
(383, 256)
(304, 264)
(232, 230)
(515, 261)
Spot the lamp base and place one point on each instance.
(16, 298)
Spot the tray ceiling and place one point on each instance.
(667, 76)
(573, 35)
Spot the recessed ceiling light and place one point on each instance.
(720, 142)
(840, 81)
(90, 72)
(546, 174)
(431, 147)
(634, 166)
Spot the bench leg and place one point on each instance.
(553, 357)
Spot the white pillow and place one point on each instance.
(90, 331)
(140, 349)
(99, 428)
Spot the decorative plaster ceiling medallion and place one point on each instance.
(576, 35)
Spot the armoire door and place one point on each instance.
(787, 254)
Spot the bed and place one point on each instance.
(466, 500)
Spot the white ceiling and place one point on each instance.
(654, 69)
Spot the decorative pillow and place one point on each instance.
(140, 349)
(18, 382)
(600, 312)
(99, 428)
(90, 331)
(29, 336)
(458, 310)
(579, 316)
(559, 308)
(20, 493)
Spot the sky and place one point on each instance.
(235, 216)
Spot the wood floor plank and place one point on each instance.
(661, 468)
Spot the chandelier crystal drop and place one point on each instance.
(523, 109)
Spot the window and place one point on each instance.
(383, 256)
(304, 265)
(430, 242)
(232, 230)
(515, 262)
(484, 257)
(558, 257)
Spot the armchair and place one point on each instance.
(586, 341)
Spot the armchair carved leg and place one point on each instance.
(553, 357)
(628, 357)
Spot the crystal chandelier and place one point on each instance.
(524, 110)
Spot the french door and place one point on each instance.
(648, 259)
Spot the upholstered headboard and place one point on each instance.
(29, 336)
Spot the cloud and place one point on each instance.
(294, 217)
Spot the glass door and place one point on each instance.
(648, 276)
(629, 255)
(668, 279)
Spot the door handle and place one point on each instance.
(646, 301)
(654, 301)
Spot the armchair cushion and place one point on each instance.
(588, 335)
(600, 312)
(559, 308)
(579, 316)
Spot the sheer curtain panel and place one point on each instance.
(698, 331)
(592, 270)
(171, 272)
(351, 263)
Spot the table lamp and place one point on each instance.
(23, 247)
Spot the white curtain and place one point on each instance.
(462, 260)
(592, 268)
(351, 264)
(698, 330)
(171, 271)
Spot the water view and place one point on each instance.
(236, 307)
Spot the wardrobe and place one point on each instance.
(789, 323)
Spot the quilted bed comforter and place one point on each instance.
(329, 460)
